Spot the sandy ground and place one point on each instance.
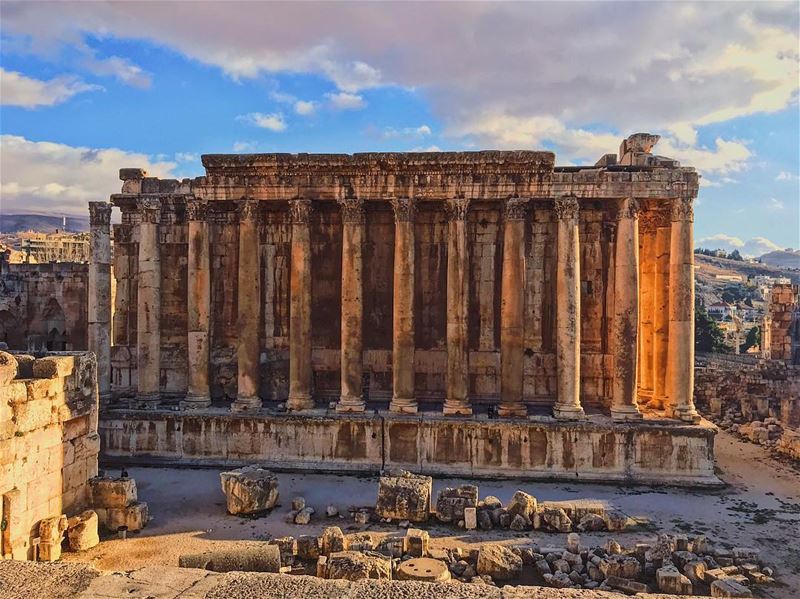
(759, 508)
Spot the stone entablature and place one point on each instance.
(480, 277)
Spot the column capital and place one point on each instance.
(352, 210)
(629, 208)
(566, 208)
(404, 209)
(150, 209)
(300, 211)
(99, 214)
(247, 210)
(682, 209)
(457, 208)
(515, 209)
(652, 220)
(196, 209)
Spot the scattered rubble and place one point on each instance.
(115, 501)
(249, 490)
(404, 496)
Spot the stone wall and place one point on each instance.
(44, 306)
(781, 336)
(48, 442)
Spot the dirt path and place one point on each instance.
(759, 508)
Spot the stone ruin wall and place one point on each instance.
(44, 306)
(597, 217)
(48, 442)
(781, 330)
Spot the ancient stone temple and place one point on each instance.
(477, 312)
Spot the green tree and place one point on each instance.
(752, 339)
(708, 337)
(735, 255)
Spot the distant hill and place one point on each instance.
(782, 258)
(14, 223)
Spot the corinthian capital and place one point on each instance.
(352, 210)
(629, 208)
(99, 214)
(248, 210)
(404, 209)
(196, 209)
(566, 208)
(457, 208)
(515, 209)
(682, 209)
(300, 211)
(150, 209)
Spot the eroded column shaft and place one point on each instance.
(148, 305)
(403, 399)
(647, 273)
(99, 308)
(626, 313)
(457, 392)
(512, 307)
(199, 306)
(248, 310)
(568, 311)
(680, 373)
(661, 317)
(300, 308)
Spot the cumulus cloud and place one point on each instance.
(273, 122)
(42, 176)
(345, 101)
(304, 107)
(121, 68)
(752, 248)
(18, 90)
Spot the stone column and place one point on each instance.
(680, 372)
(568, 311)
(512, 305)
(148, 305)
(300, 308)
(99, 311)
(403, 308)
(626, 312)
(457, 400)
(248, 352)
(351, 399)
(647, 274)
(199, 305)
(661, 314)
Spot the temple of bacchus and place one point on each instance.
(477, 313)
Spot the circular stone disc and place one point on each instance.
(424, 569)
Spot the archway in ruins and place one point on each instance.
(55, 325)
(11, 333)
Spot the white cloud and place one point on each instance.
(433, 148)
(786, 176)
(42, 176)
(187, 156)
(304, 107)
(727, 156)
(752, 248)
(18, 90)
(121, 68)
(346, 101)
(244, 146)
(406, 132)
(273, 121)
(774, 205)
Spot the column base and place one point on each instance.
(514, 409)
(687, 414)
(243, 405)
(568, 412)
(403, 406)
(350, 404)
(657, 402)
(626, 413)
(457, 407)
(296, 403)
(147, 401)
(195, 402)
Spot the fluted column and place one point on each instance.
(647, 274)
(512, 307)
(248, 352)
(351, 399)
(457, 400)
(99, 309)
(626, 313)
(148, 305)
(568, 311)
(300, 308)
(680, 373)
(661, 314)
(403, 399)
(199, 305)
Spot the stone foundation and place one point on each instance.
(597, 449)
(48, 443)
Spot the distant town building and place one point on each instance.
(765, 283)
(41, 248)
(721, 310)
(730, 278)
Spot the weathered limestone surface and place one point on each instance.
(198, 393)
(148, 326)
(352, 565)
(115, 501)
(82, 531)
(403, 396)
(249, 490)
(99, 307)
(48, 446)
(404, 496)
(451, 502)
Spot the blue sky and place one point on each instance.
(88, 88)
